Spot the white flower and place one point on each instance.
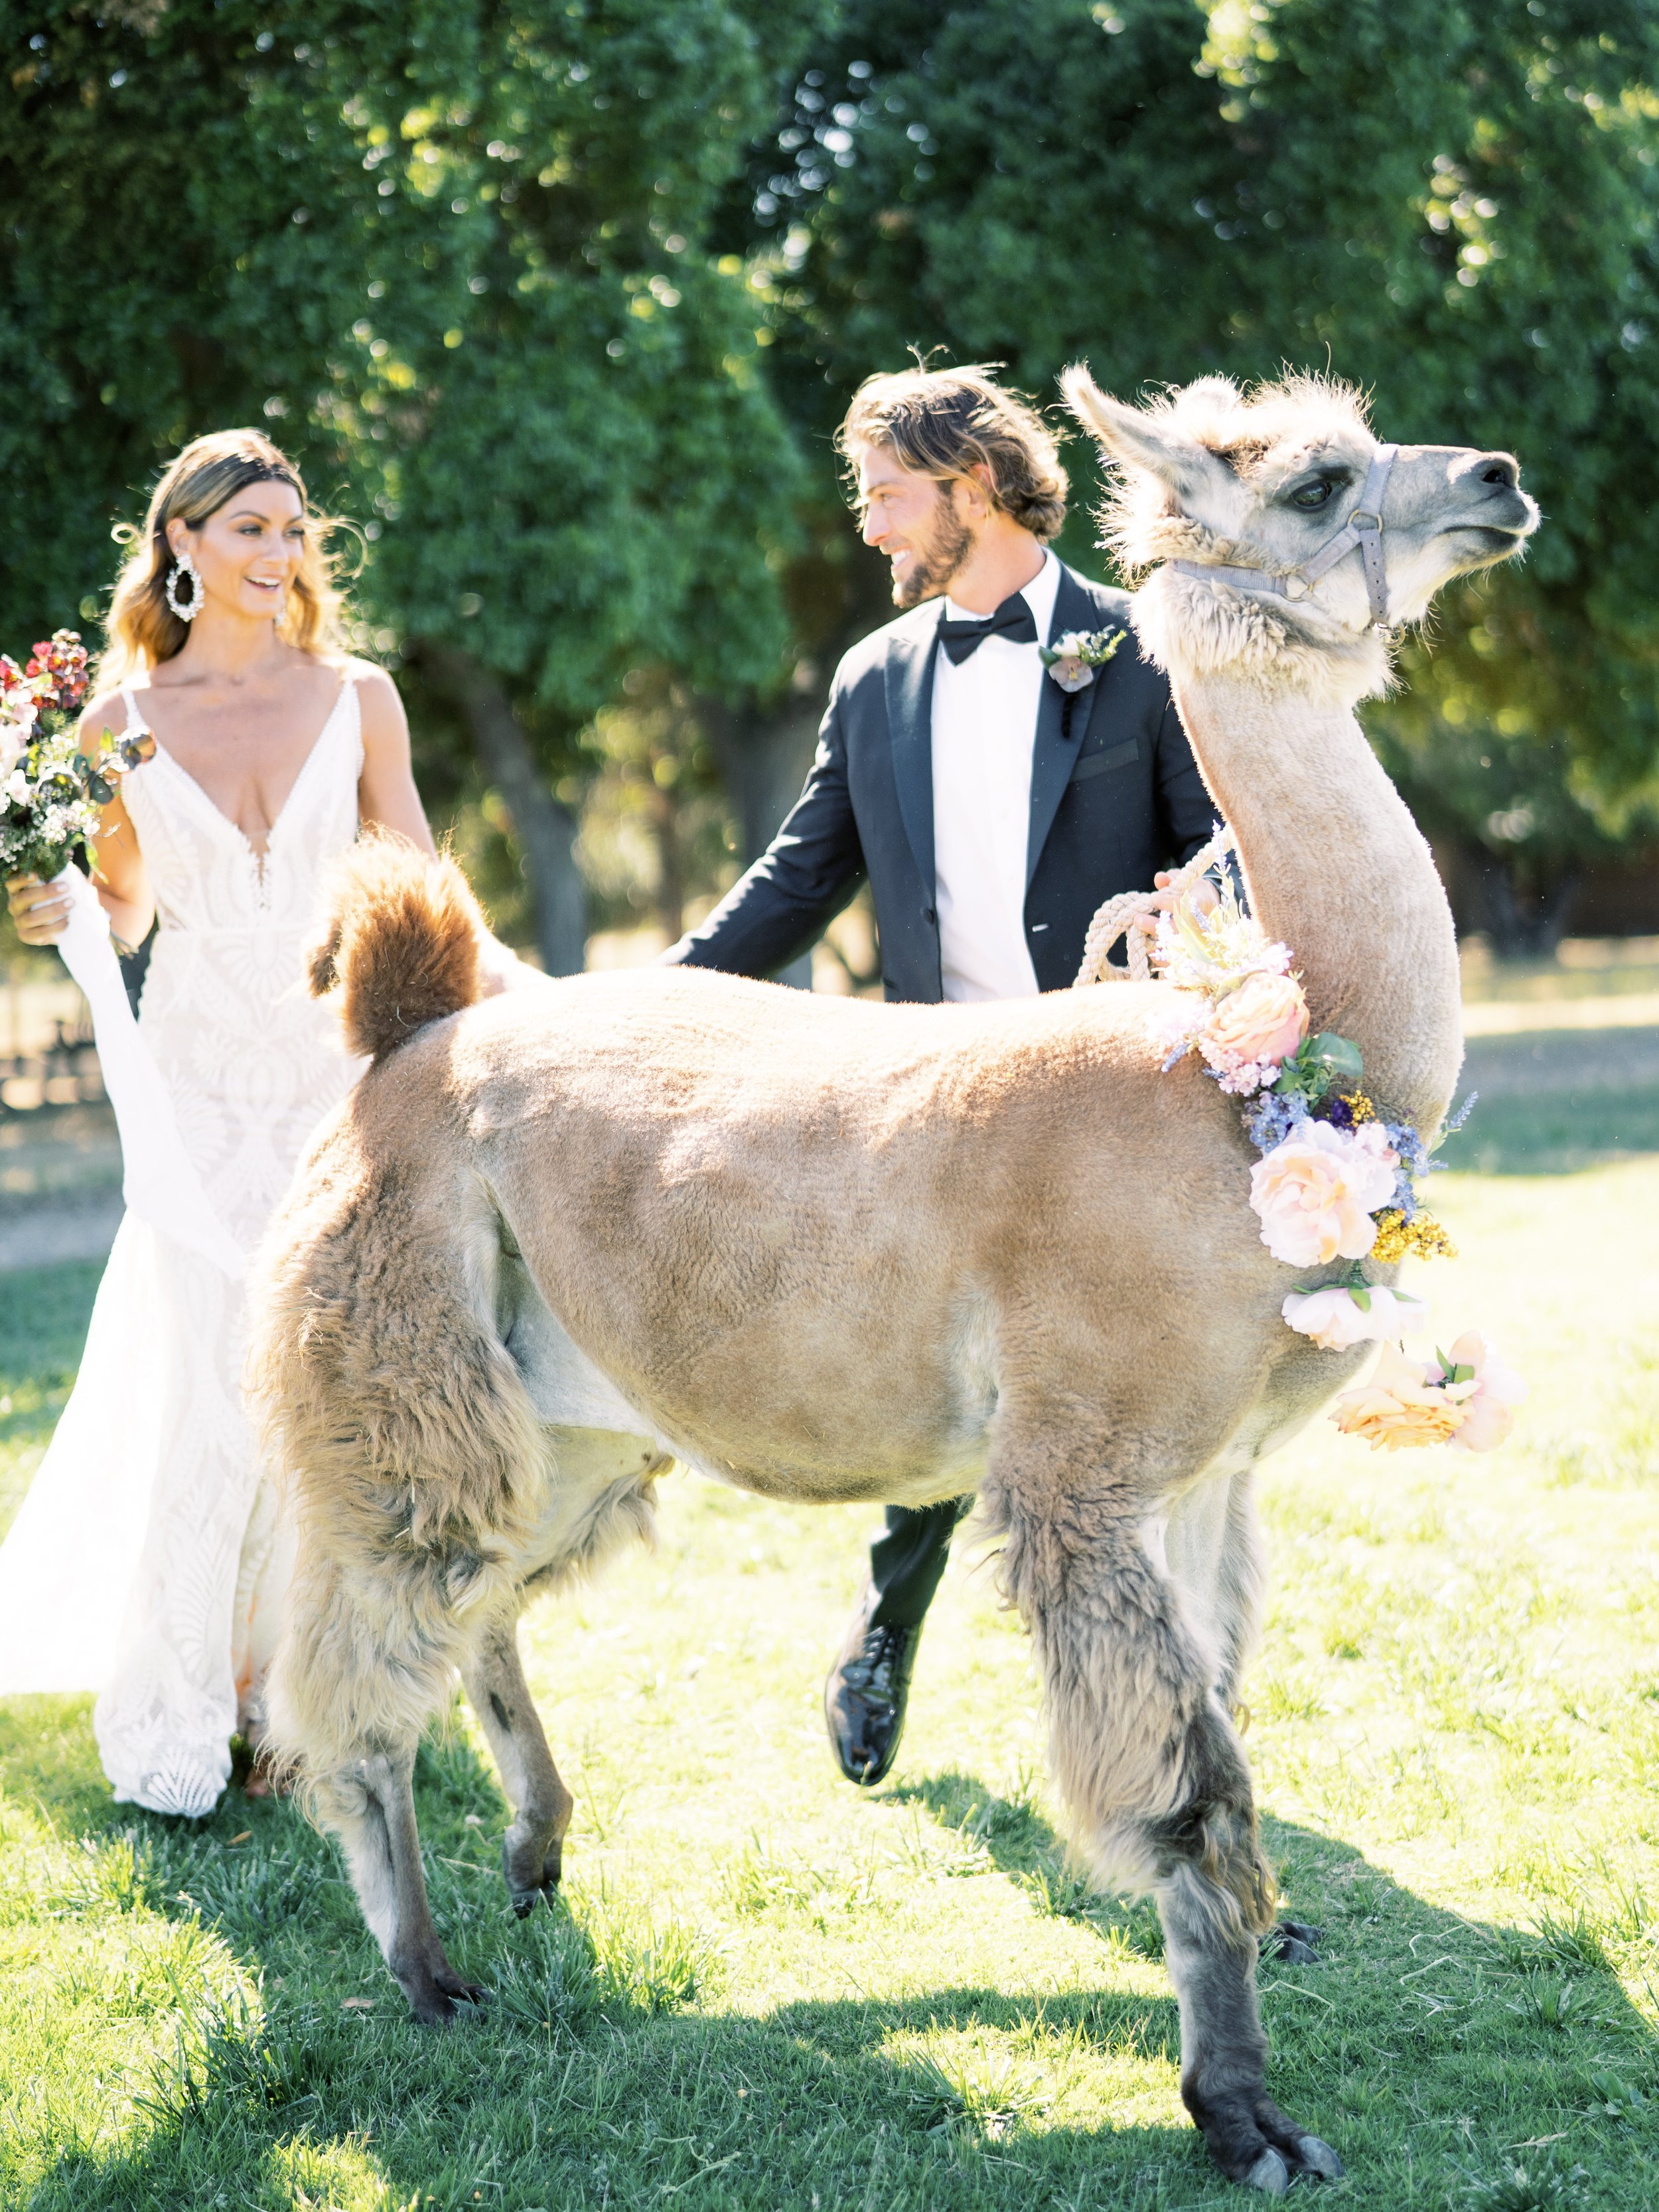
(1072, 658)
(1315, 1193)
(1069, 672)
(17, 788)
(1335, 1318)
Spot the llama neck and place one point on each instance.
(1337, 869)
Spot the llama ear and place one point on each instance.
(1140, 440)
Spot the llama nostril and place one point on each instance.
(1499, 472)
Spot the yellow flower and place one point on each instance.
(1396, 1237)
(1400, 1406)
(1359, 1106)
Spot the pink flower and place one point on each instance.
(1335, 1318)
(1315, 1194)
(1260, 1023)
(1489, 1400)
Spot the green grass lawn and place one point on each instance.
(765, 1989)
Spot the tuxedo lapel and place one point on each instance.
(1053, 755)
(910, 679)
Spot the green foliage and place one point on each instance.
(1452, 205)
(455, 258)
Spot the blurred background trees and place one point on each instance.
(562, 306)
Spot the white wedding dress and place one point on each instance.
(146, 1562)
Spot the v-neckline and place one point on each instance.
(258, 854)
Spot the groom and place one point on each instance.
(992, 813)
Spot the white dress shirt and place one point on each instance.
(985, 718)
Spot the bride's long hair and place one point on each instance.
(142, 629)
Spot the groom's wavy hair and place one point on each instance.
(947, 422)
(142, 629)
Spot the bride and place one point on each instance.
(146, 1563)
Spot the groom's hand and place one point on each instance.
(1202, 896)
(40, 911)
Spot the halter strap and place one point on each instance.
(1363, 528)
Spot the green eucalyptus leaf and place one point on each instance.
(1341, 1056)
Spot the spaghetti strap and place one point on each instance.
(136, 725)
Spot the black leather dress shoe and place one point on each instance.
(864, 1698)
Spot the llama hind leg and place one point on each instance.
(532, 1848)
(1155, 1775)
(371, 1808)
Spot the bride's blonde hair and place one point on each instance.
(142, 629)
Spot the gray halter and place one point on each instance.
(1363, 528)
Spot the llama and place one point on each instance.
(825, 1250)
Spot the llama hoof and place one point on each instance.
(435, 1991)
(1319, 2157)
(1292, 1941)
(472, 1993)
(1269, 2174)
(522, 1893)
(431, 2006)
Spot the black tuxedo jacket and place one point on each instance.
(1112, 801)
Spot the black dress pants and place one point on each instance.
(907, 1562)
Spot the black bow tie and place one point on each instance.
(1014, 620)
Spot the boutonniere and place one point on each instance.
(1072, 660)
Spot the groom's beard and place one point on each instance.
(937, 561)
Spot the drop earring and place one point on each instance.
(182, 567)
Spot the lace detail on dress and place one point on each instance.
(252, 1063)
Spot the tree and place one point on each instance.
(1454, 206)
(456, 256)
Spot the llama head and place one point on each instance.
(1216, 476)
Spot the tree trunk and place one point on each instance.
(1524, 925)
(763, 756)
(545, 830)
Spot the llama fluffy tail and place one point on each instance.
(401, 944)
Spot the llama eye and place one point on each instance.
(1313, 495)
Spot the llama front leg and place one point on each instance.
(1155, 1775)
(1213, 1550)
(532, 1848)
(371, 1808)
(1212, 1958)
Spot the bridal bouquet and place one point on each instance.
(51, 795)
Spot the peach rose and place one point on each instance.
(1489, 1400)
(1261, 1022)
(1335, 1318)
(1403, 1405)
(1315, 1194)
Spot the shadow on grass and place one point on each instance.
(1019, 1842)
(1435, 2051)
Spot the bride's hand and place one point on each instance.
(39, 910)
(501, 969)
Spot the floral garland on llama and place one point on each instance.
(1334, 1180)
